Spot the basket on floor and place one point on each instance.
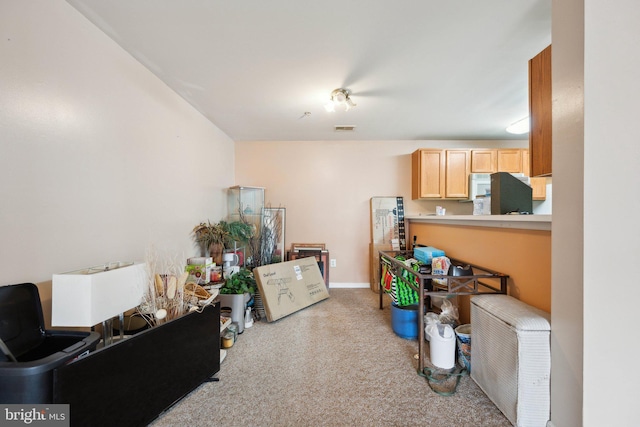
(443, 381)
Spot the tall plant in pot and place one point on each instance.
(236, 293)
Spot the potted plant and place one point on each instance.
(240, 283)
(236, 293)
(237, 232)
(211, 239)
(238, 235)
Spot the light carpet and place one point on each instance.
(336, 363)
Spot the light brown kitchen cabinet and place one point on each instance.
(440, 174)
(525, 162)
(510, 160)
(444, 174)
(427, 174)
(538, 187)
(498, 160)
(457, 169)
(484, 161)
(540, 113)
(538, 184)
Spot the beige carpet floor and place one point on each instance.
(336, 363)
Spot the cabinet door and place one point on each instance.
(539, 187)
(427, 174)
(525, 162)
(457, 169)
(540, 113)
(510, 161)
(484, 161)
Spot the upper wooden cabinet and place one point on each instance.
(427, 174)
(439, 174)
(526, 170)
(444, 174)
(538, 188)
(458, 167)
(497, 160)
(510, 161)
(484, 161)
(540, 113)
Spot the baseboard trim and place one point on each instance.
(348, 285)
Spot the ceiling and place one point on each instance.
(417, 69)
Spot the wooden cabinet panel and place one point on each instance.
(499, 160)
(525, 162)
(484, 161)
(457, 169)
(439, 174)
(427, 174)
(510, 161)
(540, 113)
(539, 187)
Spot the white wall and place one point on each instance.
(567, 227)
(99, 160)
(595, 227)
(612, 177)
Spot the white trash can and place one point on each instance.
(442, 345)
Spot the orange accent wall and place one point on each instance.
(525, 255)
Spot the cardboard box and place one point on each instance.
(287, 287)
(199, 269)
(387, 221)
(374, 264)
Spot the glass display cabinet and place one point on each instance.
(247, 203)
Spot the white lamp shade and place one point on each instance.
(90, 296)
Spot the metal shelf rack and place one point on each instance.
(483, 281)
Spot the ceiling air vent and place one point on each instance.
(345, 128)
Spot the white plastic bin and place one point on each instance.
(442, 345)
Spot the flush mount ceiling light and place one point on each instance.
(519, 127)
(339, 97)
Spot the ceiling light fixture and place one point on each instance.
(519, 127)
(339, 97)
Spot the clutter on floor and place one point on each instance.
(424, 285)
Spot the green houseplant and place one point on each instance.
(236, 293)
(236, 232)
(240, 283)
(213, 238)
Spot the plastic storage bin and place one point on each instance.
(442, 346)
(426, 253)
(37, 351)
(404, 321)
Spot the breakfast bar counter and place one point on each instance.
(525, 222)
(517, 245)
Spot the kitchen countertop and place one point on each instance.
(526, 222)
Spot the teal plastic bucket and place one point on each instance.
(404, 321)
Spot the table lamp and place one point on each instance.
(96, 295)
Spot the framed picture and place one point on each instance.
(310, 246)
(274, 227)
